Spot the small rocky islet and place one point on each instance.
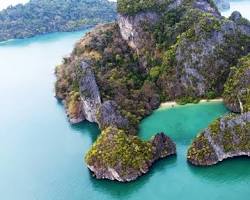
(157, 51)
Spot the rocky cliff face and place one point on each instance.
(135, 28)
(77, 86)
(132, 31)
(199, 49)
(225, 138)
(132, 27)
(90, 95)
(194, 60)
(108, 114)
(205, 43)
(237, 88)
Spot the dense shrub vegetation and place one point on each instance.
(131, 7)
(237, 87)
(44, 16)
(114, 148)
(201, 151)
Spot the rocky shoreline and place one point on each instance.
(138, 159)
(227, 137)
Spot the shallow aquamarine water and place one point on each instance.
(41, 155)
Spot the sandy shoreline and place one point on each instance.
(173, 103)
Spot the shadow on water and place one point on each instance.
(230, 170)
(87, 127)
(125, 190)
(84, 127)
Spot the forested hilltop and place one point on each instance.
(46, 16)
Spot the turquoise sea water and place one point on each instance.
(41, 155)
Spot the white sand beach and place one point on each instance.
(169, 104)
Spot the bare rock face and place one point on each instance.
(132, 30)
(227, 137)
(135, 156)
(89, 92)
(194, 63)
(109, 115)
(105, 114)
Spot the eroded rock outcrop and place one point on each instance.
(227, 137)
(108, 114)
(116, 155)
(90, 95)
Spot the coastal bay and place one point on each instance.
(42, 154)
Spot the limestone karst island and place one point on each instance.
(125, 100)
